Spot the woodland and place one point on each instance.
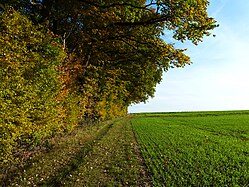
(65, 63)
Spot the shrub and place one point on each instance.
(29, 56)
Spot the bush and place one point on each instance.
(29, 85)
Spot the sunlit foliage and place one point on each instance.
(29, 56)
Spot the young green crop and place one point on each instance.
(195, 149)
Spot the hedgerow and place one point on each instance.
(40, 95)
(29, 56)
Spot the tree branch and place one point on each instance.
(120, 4)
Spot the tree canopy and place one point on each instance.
(122, 36)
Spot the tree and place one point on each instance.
(121, 40)
(64, 60)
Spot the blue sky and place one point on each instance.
(218, 78)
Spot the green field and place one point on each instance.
(149, 149)
(195, 149)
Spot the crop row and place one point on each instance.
(195, 151)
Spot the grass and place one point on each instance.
(195, 149)
(101, 155)
(149, 149)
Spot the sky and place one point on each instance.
(218, 78)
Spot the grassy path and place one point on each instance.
(100, 155)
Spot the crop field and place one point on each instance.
(195, 149)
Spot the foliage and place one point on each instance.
(195, 149)
(122, 37)
(29, 57)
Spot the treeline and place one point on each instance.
(65, 62)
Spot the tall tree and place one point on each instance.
(122, 36)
